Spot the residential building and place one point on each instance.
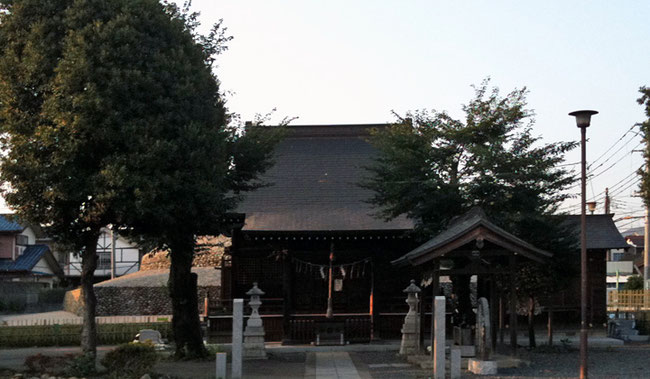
(23, 258)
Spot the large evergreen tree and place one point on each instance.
(433, 167)
(111, 114)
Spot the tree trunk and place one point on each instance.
(531, 322)
(88, 266)
(183, 291)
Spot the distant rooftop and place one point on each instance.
(9, 224)
(602, 233)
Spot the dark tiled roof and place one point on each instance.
(463, 225)
(8, 224)
(27, 260)
(601, 231)
(315, 177)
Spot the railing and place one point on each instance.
(270, 306)
(628, 301)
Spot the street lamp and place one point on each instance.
(583, 119)
(592, 206)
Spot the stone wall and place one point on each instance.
(143, 293)
(131, 301)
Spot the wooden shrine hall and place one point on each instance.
(310, 236)
(472, 245)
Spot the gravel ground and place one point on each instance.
(629, 361)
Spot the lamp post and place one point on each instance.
(583, 119)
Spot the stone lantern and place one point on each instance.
(411, 328)
(254, 333)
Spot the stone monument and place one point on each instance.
(254, 333)
(482, 365)
(237, 326)
(411, 328)
(439, 337)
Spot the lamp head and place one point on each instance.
(592, 206)
(583, 118)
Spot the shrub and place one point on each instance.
(81, 365)
(54, 365)
(131, 360)
(634, 282)
(51, 295)
(15, 306)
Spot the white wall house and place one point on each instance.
(126, 259)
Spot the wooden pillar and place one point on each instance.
(371, 305)
(287, 295)
(549, 325)
(493, 311)
(435, 288)
(513, 306)
(422, 296)
(501, 316)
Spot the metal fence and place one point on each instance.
(628, 301)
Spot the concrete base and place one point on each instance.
(467, 350)
(479, 367)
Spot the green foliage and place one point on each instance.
(644, 100)
(634, 282)
(68, 335)
(111, 114)
(53, 365)
(81, 365)
(131, 360)
(433, 167)
(60, 365)
(52, 295)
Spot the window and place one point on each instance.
(104, 260)
(22, 240)
(617, 256)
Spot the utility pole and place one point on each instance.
(646, 238)
(607, 201)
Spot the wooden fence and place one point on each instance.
(628, 301)
(78, 320)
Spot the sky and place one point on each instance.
(336, 62)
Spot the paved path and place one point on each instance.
(335, 365)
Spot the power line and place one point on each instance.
(615, 143)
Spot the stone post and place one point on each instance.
(454, 363)
(439, 338)
(411, 328)
(237, 326)
(482, 365)
(221, 365)
(254, 333)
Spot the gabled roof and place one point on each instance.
(9, 224)
(601, 231)
(315, 184)
(470, 226)
(27, 260)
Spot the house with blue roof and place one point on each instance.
(22, 259)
